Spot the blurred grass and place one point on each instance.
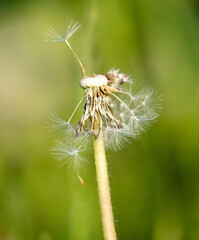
(155, 182)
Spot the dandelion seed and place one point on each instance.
(68, 150)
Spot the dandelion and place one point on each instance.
(113, 114)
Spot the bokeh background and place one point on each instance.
(154, 181)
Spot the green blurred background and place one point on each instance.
(154, 181)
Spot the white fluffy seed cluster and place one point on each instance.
(136, 111)
(110, 103)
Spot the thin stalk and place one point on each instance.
(104, 189)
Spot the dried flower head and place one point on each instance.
(110, 106)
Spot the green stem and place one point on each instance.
(104, 189)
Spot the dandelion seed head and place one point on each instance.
(111, 105)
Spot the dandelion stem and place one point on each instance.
(104, 189)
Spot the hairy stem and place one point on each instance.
(104, 189)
